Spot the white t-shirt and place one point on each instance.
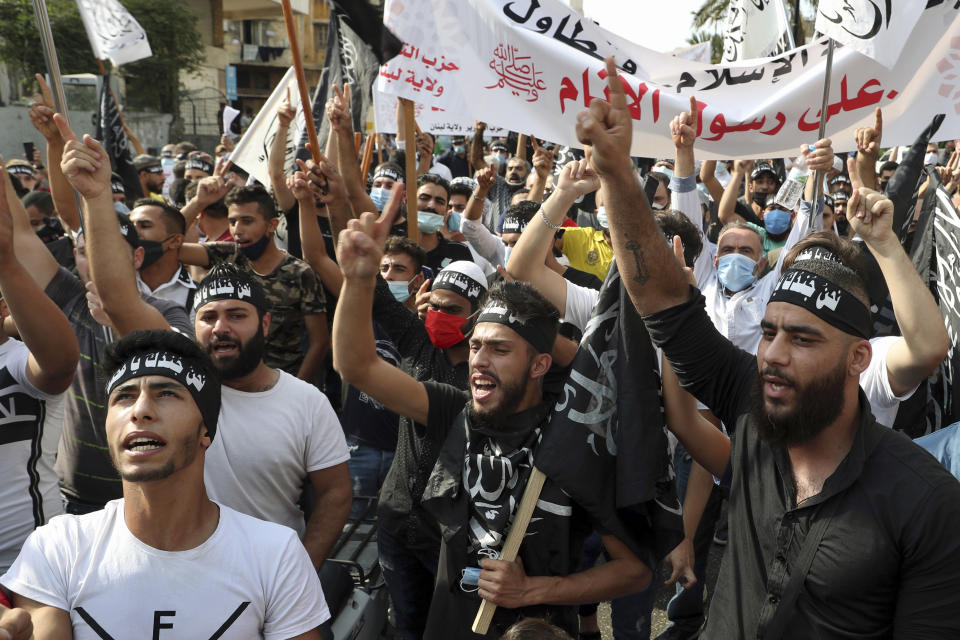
(266, 444)
(30, 426)
(252, 577)
(579, 304)
(876, 383)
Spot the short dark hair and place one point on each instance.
(42, 200)
(432, 178)
(147, 340)
(841, 275)
(674, 223)
(528, 305)
(460, 189)
(523, 211)
(254, 193)
(534, 629)
(173, 220)
(889, 165)
(179, 168)
(184, 148)
(847, 251)
(403, 244)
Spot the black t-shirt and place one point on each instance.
(445, 253)
(365, 420)
(399, 508)
(888, 564)
(464, 509)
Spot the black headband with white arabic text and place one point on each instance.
(529, 331)
(388, 172)
(225, 287)
(190, 373)
(832, 304)
(461, 284)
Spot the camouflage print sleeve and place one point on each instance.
(220, 252)
(312, 300)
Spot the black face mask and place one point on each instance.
(761, 199)
(152, 251)
(255, 250)
(51, 229)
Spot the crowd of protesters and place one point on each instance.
(315, 337)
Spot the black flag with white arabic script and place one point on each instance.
(349, 60)
(111, 135)
(935, 254)
(605, 444)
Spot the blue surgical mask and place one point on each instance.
(400, 289)
(499, 159)
(602, 218)
(735, 271)
(506, 255)
(459, 148)
(776, 221)
(429, 222)
(453, 222)
(380, 196)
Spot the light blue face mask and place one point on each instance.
(459, 148)
(499, 159)
(429, 222)
(380, 196)
(776, 221)
(602, 218)
(506, 255)
(735, 271)
(400, 289)
(453, 222)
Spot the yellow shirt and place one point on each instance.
(588, 250)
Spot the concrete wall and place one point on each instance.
(15, 129)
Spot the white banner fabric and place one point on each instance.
(876, 28)
(533, 65)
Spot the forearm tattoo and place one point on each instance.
(642, 274)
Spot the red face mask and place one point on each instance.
(444, 329)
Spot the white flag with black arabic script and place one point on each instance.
(114, 34)
(876, 28)
(756, 29)
(253, 150)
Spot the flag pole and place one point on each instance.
(824, 113)
(410, 170)
(367, 156)
(301, 80)
(50, 57)
(521, 520)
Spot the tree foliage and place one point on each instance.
(715, 40)
(152, 84)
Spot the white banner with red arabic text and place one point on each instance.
(532, 65)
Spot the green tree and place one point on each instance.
(152, 83)
(715, 40)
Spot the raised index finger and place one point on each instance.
(64, 127)
(45, 91)
(618, 100)
(533, 141)
(879, 123)
(694, 113)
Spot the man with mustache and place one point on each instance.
(844, 528)
(487, 439)
(276, 431)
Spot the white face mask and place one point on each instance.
(931, 158)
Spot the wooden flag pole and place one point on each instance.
(521, 146)
(521, 520)
(301, 80)
(410, 172)
(367, 157)
(824, 112)
(357, 139)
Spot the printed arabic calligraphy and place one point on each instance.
(517, 72)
